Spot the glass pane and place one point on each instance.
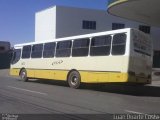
(119, 44)
(119, 39)
(81, 43)
(37, 51)
(63, 49)
(26, 51)
(16, 56)
(64, 44)
(49, 50)
(100, 46)
(101, 41)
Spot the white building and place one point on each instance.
(58, 21)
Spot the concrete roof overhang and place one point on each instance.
(146, 11)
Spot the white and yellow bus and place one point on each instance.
(118, 56)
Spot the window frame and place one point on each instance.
(90, 25)
(39, 53)
(53, 51)
(121, 44)
(59, 51)
(101, 47)
(14, 60)
(28, 52)
(116, 26)
(144, 28)
(81, 47)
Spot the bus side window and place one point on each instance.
(63, 49)
(16, 56)
(26, 51)
(80, 47)
(100, 45)
(119, 44)
(49, 50)
(37, 51)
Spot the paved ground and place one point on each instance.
(49, 97)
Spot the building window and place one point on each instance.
(116, 26)
(26, 51)
(156, 58)
(80, 47)
(119, 44)
(100, 46)
(63, 49)
(89, 25)
(37, 51)
(145, 29)
(49, 50)
(16, 56)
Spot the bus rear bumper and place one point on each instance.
(139, 79)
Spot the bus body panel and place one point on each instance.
(93, 70)
(141, 56)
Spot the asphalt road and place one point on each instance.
(52, 97)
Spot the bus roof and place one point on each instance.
(77, 36)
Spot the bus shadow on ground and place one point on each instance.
(50, 82)
(134, 90)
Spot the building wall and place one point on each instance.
(45, 24)
(60, 21)
(69, 21)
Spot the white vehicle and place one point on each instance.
(4, 46)
(117, 56)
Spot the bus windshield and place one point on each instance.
(16, 56)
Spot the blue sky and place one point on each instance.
(17, 17)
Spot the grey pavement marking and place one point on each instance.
(27, 90)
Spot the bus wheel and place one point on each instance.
(74, 79)
(23, 75)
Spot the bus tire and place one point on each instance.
(23, 75)
(74, 79)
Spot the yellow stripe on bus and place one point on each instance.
(86, 76)
(14, 72)
(103, 77)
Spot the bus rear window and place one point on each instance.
(16, 56)
(119, 44)
(142, 43)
